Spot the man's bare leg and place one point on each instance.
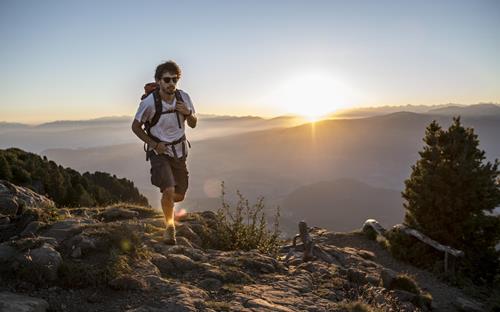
(168, 199)
(167, 205)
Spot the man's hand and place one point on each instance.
(182, 108)
(161, 148)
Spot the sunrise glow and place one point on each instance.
(312, 95)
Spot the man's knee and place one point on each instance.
(178, 197)
(168, 194)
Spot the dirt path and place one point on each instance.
(443, 295)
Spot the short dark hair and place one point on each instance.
(169, 66)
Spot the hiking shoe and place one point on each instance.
(170, 236)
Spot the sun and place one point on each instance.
(312, 95)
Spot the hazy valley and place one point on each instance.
(314, 171)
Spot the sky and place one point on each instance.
(88, 59)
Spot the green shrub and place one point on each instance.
(244, 227)
(383, 242)
(410, 249)
(424, 300)
(405, 282)
(370, 233)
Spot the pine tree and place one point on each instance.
(5, 172)
(449, 191)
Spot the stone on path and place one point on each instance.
(19, 303)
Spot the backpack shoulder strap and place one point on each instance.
(158, 108)
(178, 95)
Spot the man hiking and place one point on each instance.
(163, 111)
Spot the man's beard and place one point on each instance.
(169, 91)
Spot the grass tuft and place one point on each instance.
(244, 227)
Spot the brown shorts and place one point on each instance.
(166, 172)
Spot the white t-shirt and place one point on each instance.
(167, 129)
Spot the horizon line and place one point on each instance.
(247, 115)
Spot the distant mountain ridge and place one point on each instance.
(486, 109)
(116, 130)
(481, 109)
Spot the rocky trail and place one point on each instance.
(114, 259)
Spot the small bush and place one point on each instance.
(370, 233)
(405, 282)
(244, 227)
(410, 249)
(383, 242)
(424, 300)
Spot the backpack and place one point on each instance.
(152, 87)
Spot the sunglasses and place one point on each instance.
(168, 79)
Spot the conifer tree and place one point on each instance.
(450, 191)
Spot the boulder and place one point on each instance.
(387, 276)
(13, 197)
(32, 228)
(4, 219)
(163, 264)
(182, 263)
(356, 276)
(263, 305)
(368, 255)
(192, 253)
(182, 241)
(44, 260)
(19, 303)
(173, 264)
(403, 295)
(82, 242)
(7, 253)
(8, 206)
(211, 284)
(185, 230)
(64, 229)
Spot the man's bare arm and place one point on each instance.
(137, 129)
(192, 120)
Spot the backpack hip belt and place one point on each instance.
(182, 140)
